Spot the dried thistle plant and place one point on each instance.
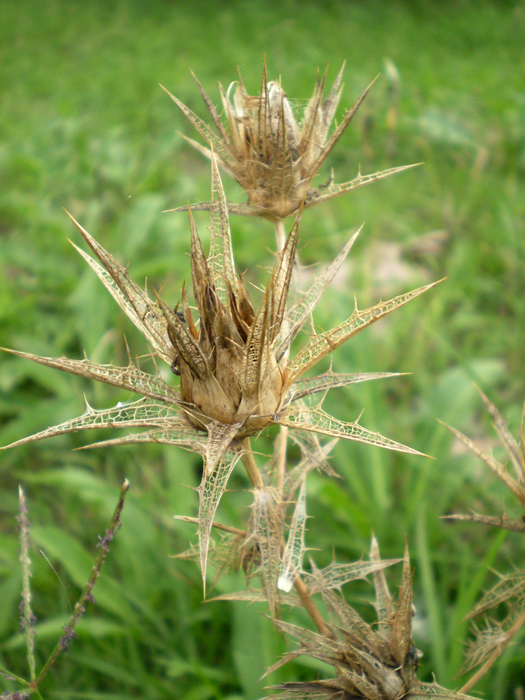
(236, 374)
(27, 618)
(272, 156)
(239, 375)
(491, 639)
(376, 663)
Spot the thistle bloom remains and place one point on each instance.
(370, 662)
(236, 374)
(272, 156)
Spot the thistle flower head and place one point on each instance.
(236, 373)
(372, 663)
(273, 156)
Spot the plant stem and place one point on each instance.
(280, 234)
(86, 594)
(254, 475)
(280, 451)
(256, 480)
(309, 606)
(282, 440)
(495, 654)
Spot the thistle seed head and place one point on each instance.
(273, 156)
(228, 366)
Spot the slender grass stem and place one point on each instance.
(28, 618)
(87, 593)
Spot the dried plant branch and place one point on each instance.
(238, 376)
(500, 521)
(236, 373)
(489, 644)
(500, 648)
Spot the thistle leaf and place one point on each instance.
(318, 421)
(265, 534)
(401, 623)
(511, 446)
(301, 311)
(331, 380)
(281, 280)
(324, 194)
(510, 586)
(432, 690)
(217, 470)
(323, 344)
(213, 112)
(384, 605)
(138, 414)
(204, 130)
(498, 469)
(291, 562)
(336, 135)
(135, 303)
(220, 438)
(129, 377)
(334, 576)
(258, 595)
(314, 456)
(220, 259)
(183, 435)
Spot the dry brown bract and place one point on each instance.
(272, 156)
(236, 374)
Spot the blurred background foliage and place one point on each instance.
(85, 126)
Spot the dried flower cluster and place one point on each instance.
(272, 156)
(374, 663)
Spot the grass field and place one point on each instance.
(84, 125)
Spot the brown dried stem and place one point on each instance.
(309, 606)
(254, 475)
(280, 234)
(256, 480)
(87, 593)
(282, 440)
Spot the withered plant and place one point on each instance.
(272, 156)
(240, 372)
(492, 636)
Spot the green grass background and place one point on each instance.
(85, 126)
